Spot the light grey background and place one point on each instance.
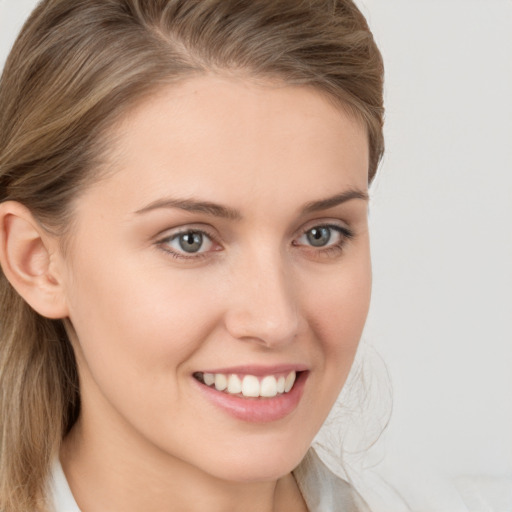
(441, 221)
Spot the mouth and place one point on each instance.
(254, 395)
(249, 386)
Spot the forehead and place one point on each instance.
(214, 135)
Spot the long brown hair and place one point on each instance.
(76, 67)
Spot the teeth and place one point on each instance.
(268, 387)
(221, 382)
(251, 386)
(290, 381)
(234, 385)
(209, 379)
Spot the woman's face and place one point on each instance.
(229, 243)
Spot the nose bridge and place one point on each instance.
(264, 304)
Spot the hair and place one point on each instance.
(75, 69)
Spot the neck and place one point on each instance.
(115, 473)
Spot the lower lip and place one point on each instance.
(257, 410)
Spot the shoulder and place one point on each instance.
(323, 490)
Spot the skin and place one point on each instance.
(143, 320)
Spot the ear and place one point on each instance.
(28, 257)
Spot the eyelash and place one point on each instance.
(332, 250)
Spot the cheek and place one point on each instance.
(131, 321)
(337, 307)
(339, 312)
(137, 332)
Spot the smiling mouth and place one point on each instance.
(249, 386)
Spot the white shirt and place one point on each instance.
(322, 490)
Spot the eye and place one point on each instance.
(325, 237)
(188, 243)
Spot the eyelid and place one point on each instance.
(185, 228)
(335, 224)
(342, 230)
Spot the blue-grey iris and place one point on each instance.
(318, 237)
(191, 241)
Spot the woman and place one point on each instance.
(184, 248)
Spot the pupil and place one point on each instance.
(319, 237)
(191, 242)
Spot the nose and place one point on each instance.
(263, 302)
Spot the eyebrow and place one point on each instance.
(217, 210)
(331, 202)
(191, 205)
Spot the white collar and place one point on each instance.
(62, 497)
(322, 490)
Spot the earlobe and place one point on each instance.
(25, 256)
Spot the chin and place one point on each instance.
(259, 462)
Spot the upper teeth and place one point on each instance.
(250, 386)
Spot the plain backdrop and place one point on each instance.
(441, 220)
(441, 223)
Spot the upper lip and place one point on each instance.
(257, 370)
